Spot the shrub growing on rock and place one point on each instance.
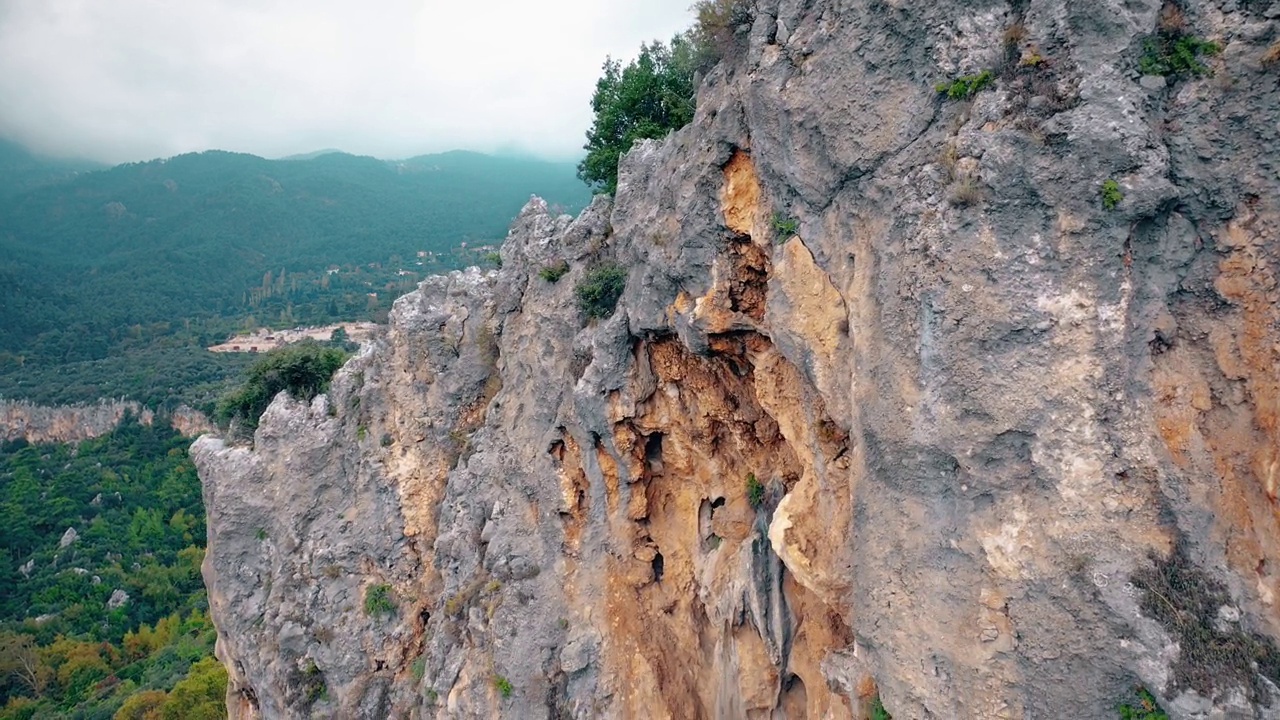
(553, 272)
(966, 86)
(502, 685)
(599, 290)
(1146, 708)
(378, 601)
(785, 227)
(755, 491)
(1111, 195)
(1174, 51)
(304, 370)
(716, 30)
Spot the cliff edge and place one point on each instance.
(966, 401)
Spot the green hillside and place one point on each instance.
(67, 649)
(21, 170)
(171, 255)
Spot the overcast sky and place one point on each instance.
(123, 80)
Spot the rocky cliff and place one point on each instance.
(20, 420)
(895, 404)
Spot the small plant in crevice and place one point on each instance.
(419, 669)
(877, 709)
(260, 534)
(554, 272)
(1031, 59)
(362, 432)
(313, 684)
(492, 258)
(965, 192)
(1146, 708)
(1213, 654)
(1173, 52)
(1110, 193)
(1271, 57)
(461, 600)
(431, 696)
(502, 685)
(599, 290)
(1015, 34)
(755, 491)
(966, 86)
(785, 227)
(378, 601)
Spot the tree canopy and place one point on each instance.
(304, 370)
(650, 97)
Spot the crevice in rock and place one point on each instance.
(748, 286)
(688, 451)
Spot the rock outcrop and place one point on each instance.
(962, 436)
(21, 420)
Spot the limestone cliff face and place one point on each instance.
(966, 439)
(74, 423)
(66, 423)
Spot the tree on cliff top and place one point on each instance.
(303, 369)
(649, 98)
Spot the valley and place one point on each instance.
(133, 299)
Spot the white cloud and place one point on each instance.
(124, 80)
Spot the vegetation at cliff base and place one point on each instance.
(102, 607)
(599, 290)
(304, 370)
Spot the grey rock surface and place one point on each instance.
(951, 445)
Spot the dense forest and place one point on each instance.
(102, 608)
(112, 281)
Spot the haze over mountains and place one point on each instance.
(97, 264)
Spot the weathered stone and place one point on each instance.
(920, 450)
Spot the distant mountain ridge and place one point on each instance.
(113, 256)
(22, 170)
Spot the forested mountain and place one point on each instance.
(171, 255)
(22, 170)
